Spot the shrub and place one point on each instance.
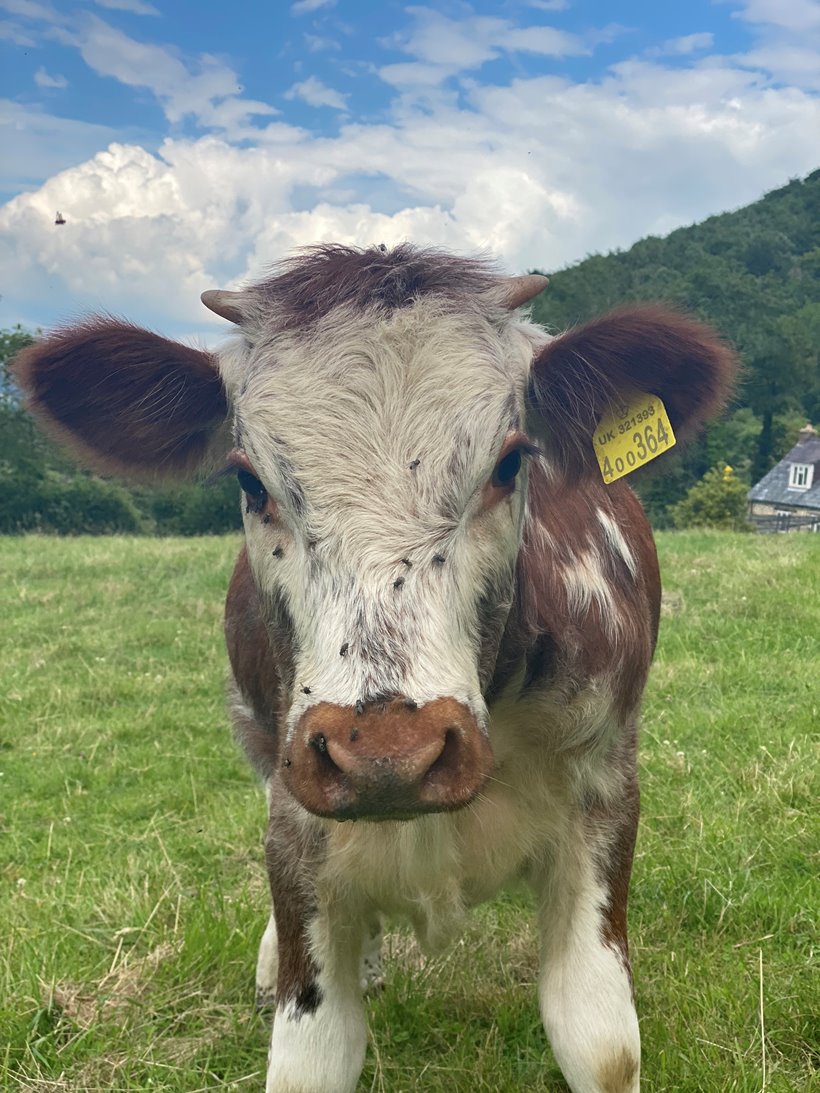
(717, 501)
(52, 502)
(194, 509)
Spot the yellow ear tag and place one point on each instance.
(630, 434)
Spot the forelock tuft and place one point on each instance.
(302, 290)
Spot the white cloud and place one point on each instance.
(33, 9)
(539, 170)
(681, 47)
(416, 75)
(211, 94)
(795, 16)
(14, 33)
(788, 40)
(36, 145)
(443, 46)
(315, 93)
(317, 44)
(303, 7)
(471, 41)
(135, 7)
(791, 64)
(548, 5)
(43, 79)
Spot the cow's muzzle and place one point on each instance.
(387, 761)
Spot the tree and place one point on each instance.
(717, 501)
(11, 342)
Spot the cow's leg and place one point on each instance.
(372, 979)
(319, 1031)
(267, 967)
(267, 963)
(585, 982)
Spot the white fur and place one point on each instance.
(586, 583)
(583, 988)
(323, 1050)
(351, 408)
(617, 542)
(318, 1051)
(267, 965)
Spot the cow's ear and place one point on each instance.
(581, 374)
(126, 400)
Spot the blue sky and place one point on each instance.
(192, 144)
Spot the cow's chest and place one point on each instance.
(430, 870)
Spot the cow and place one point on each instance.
(442, 618)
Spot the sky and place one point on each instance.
(190, 145)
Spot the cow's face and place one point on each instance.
(378, 405)
(383, 463)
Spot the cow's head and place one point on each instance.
(384, 408)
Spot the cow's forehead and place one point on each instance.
(362, 397)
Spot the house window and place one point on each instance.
(800, 476)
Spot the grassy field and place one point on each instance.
(132, 896)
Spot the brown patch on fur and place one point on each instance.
(618, 1073)
(292, 856)
(615, 826)
(261, 657)
(123, 399)
(304, 289)
(582, 373)
(561, 646)
(493, 614)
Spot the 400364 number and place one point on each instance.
(646, 443)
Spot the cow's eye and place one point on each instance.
(507, 468)
(252, 487)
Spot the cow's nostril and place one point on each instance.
(319, 742)
(326, 761)
(447, 760)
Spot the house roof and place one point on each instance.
(773, 488)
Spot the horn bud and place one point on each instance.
(520, 290)
(223, 303)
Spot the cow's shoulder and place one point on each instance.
(587, 593)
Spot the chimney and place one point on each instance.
(806, 433)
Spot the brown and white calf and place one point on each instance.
(441, 621)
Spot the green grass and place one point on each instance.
(132, 895)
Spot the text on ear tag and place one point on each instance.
(632, 433)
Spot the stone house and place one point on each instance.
(788, 497)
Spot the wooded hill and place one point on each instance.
(754, 273)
